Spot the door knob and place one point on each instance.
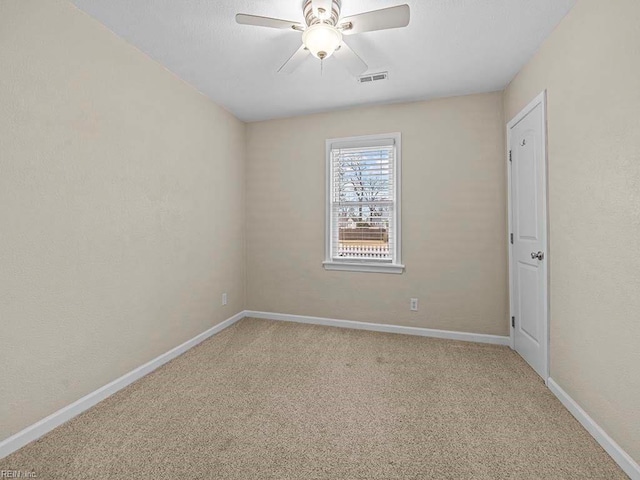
(539, 255)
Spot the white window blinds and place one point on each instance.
(363, 201)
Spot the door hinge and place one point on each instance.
(509, 155)
(511, 238)
(513, 322)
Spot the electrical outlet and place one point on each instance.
(224, 299)
(413, 304)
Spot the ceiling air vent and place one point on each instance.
(373, 77)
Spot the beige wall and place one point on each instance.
(121, 209)
(453, 233)
(591, 68)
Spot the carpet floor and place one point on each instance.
(275, 400)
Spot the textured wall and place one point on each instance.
(121, 200)
(591, 68)
(454, 217)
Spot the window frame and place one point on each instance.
(396, 265)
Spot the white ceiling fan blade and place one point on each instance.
(350, 60)
(295, 60)
(258, 21)
(393, 17)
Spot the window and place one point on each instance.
(363, 204)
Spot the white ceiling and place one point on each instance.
(451, 47)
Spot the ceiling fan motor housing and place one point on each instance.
(331, 17)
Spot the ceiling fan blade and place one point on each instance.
(258, 21)
(350, 60)
(393, 17)
(295, 60)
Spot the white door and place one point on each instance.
(528, 221)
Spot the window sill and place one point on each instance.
(364, 267)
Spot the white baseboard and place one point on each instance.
(40, 428)
(65, 414)
(377, 327)
(622, 458)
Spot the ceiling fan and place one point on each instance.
(322, 36)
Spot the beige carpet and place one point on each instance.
(271, 400)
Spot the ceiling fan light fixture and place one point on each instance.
(322, 40)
